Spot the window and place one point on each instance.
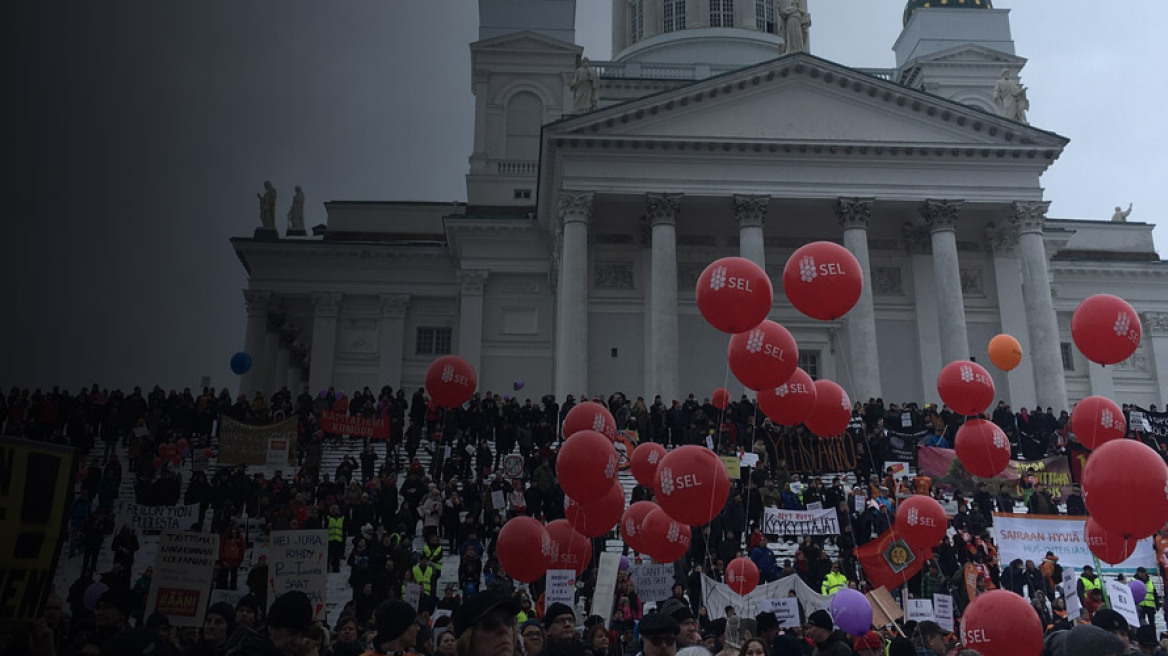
(636, 21)
(1068, 356)
(524, 119)
(721, 13)
(809, 362)
(764, 16)
(673, 14)
(522, 194)
(433, 341)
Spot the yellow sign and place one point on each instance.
(733, 466)
(35, 485)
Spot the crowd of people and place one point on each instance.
(423, 500)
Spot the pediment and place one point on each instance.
(971, 54)
(526, 41)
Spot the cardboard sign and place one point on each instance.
(653, 581)
(299, 561)
(919, 609)
(413, 595)
(885, 610)
(733, 466)
(498, 500)
(1070, 587)
(1120, 597)
(943, 611)
(561, 588)
(800, 522)
(603, 600)
(749, 460)
(787, 612)
(183, 566)
(153, 519)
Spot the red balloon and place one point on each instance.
(1111, 548)
(586, 466)
(590, 415)
(597, 518)
(982, 448)
(632, 524)
(1096, 420)
(176, 460)
(82, 474)
(692, 485)
(665, 539)
(823, 280)
(570, 550)
(210, 453)
(1125, 486)
(789, 403)
(1106, 329)
(158, 463)
(966, 387)
(721, 398)
(764, 357)
(183, 444)
(921, 521)
(450, 381)
(734, 294)
(831, 412)
(1001, 623)
(524, 548)
(742, 576)
(644, 463)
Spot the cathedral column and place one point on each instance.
(1003, 242)
(650, 18)
(470, 316)
(662, 211)
(941, 217)
(392, 339)
(697, 14)
(572, 311)
(919, 247)
(744, 14)
(258, 302)
(267, 379)
(1028, 218)
(855, 214)
(750, 214)
(1155, 325)
(295, 379)
(326, 307)
(280, 378)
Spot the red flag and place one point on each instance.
(889, 561)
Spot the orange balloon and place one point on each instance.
(1005, 352)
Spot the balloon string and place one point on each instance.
(721, 418)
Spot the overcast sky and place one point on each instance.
(145, 129)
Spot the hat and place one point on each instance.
(765, 622)
(1109, 620)
(157, 621)
(821, 619)
(133, 642)
(929, 627)
(1146, 636)
(659, 624)
(392, 618)
(523, 627)
(901, 647)
(248, 601)
(478, 606)
(554, 611)
(224, 610)
(870, 640)
(718, 626)
(291, 610)
(1088, 640)
(121, 598)
(677, 609)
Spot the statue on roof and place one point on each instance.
(1120, 216)
(796, 27)
(268, 206)
(296, 211)
(585, 87)
(1010, 97)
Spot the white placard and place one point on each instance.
(653, 581)
(561, 588)
(299, 561)
(439, 613)
(603, 600)
(906, 422)
(787, 612)
(1121, 600)
(943, 611)
(413, 595)
(749, 460)
(860, 502)
(919, 609)
(498, 500)
(183, 565)
(446, 451)
(777, 521)
(768, 605)
(815, 505)
(157, 518)
(710, 442)
(1070, 588)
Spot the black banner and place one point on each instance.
(902, 446)
(1157, 423)
(817, 455)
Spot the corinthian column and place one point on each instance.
(326, 307)
(750, 213)
(662, 211)
(855, 214)
(572, 310)
(470, 316)
(1156, 327)
(1028, 218)
(1003, 243)
(941, 217)
(919, 245)
(392, 339)
(258, 303)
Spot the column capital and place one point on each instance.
(751, 211)
(1002, 239)
(327, 304)
(1029, 216)
(1156, 323)
(854, 212)
(393, 306)
(257, 301)
(916, 239)
(662, 209)
(575, 207)
(472, 280)
(941, 215)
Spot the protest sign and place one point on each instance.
(950, 477)
(710, 442)
(815, 505)
(561, 588)
(299, 561)
(748, 460)
(733, 466)
(279, 453)
(800, 522)
(899, 468)
(183, 567)
(885, 610)
(1070, 588)
(603, 600)
(198, 459)
(337, 423)
(245, 444)
(152, 519)
(1153, 423)
(787, 612)
(498, 500)
(231, 597)
(902, 446)
(413, 595)
(512, 465)
(943, 611)
(918, 609)
(906, 420)
(1120, 597)
(1029, 537)
(35, 491)
(860, 501)
(653, 581)
(768, 604)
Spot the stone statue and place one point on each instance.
(585, 86)
(796, 28)
(268, 206)
(1120, 216)
(296, 212)
(1010, 96)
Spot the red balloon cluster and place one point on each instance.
(570, 550)
(1110, 547)
(720, 398)
(1096, 420)
(597, 518)
(450, 381)
(665, 538)
(586, 466)
(691, 485)
(921, 521)
(1106, 329)
(831, 412)
(734, 294)
(742, 576)
(763, 357)
(524, 548)
(982, 448)
(966, 387)
(789, 403)
(644, 463)
(592, 416)
(1125, 487)
(1001, 623)
(823, 280)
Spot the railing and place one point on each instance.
(517, 167)
(655, 71)
(889, 74)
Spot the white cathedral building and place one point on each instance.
(571, 267)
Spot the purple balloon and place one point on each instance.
(1138, 590)
(851, 611)
(519, 384)
(93, 593)
(624, 563)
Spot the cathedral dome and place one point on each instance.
(913, 5)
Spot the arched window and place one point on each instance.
(764, 16)
(721, 13)
(636, 20)
(524, 118)
(673, 15)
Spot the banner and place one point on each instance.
(183, 567)
(950, 477)
(603, 600)
(1029, 537)
(337, 423)
(733, 466)
(157, 518)
(889, 561)
(800, 522)
(918, 610)
(1120, 598)
(653, 582)
(298, 560)
(787, 612)
(717, 596)
(1153, 423)
(35, 492)
(561, 588)
(902, 443)
(245, 444)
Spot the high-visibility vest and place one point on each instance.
(423, 577)
(336, 529)
(1089, 585)
(1150, 598)
(433, 554)
(833, 582)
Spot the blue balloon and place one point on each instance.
(240, 363)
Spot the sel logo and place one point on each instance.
(718, 278)
(666, 481)
(448, 373)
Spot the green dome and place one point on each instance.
(913, 5)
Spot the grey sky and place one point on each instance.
(145, 130)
